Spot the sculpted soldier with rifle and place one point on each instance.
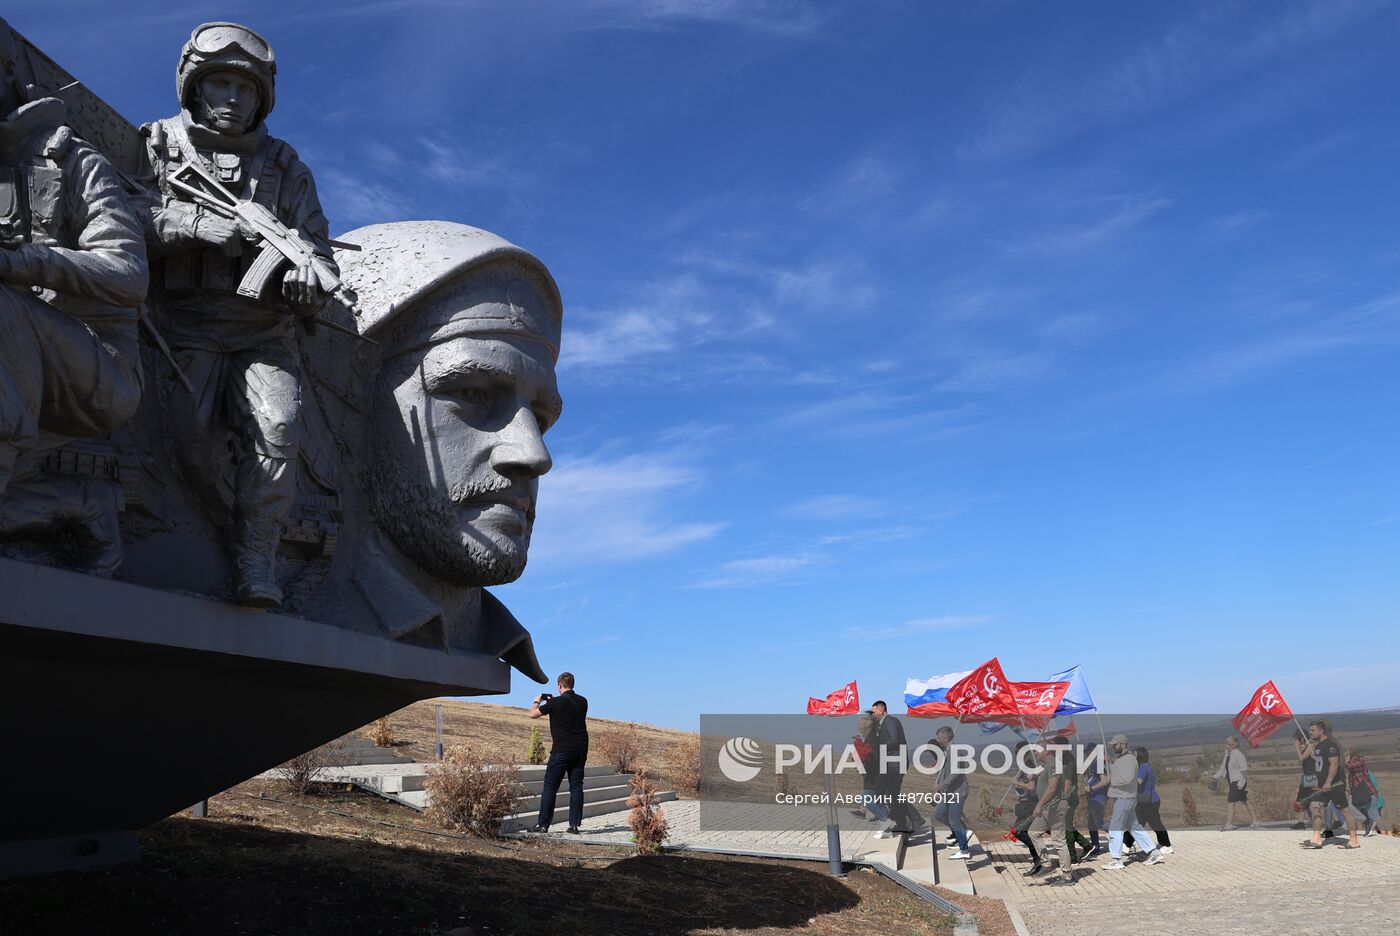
(72, 274)
(226, 195)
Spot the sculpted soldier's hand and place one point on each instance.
(300, 286)
(220, 232)
(10, 236)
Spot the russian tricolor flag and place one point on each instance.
(928, 698)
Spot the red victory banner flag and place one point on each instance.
(1036, 702)
(1264, 714)
(984, 695)
(844, 701)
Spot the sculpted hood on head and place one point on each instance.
(439, 429)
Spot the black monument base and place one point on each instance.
(125, 705)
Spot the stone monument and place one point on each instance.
(260, 503)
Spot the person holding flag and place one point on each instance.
(1332, 784)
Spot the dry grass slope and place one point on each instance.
(501, 733)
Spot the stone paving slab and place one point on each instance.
(1241, 882)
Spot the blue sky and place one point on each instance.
(900, 335)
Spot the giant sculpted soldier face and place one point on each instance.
(227, 101)
(464, 392)
(458, 448)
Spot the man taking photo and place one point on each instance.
(568, 752)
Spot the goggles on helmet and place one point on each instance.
(216, 38)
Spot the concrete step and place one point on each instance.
(591, 808)
(594, 782)
(418, 799)
(357, 759)
(409, 779)
(528, 772)
(601, 793)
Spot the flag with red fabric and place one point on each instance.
(984, 695)
(844, 701)
(1265, 714)
(1065, 733)
(1036, 703)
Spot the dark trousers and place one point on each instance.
(1150, 815)
(561, 763)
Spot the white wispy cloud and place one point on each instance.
(1044, 108)
(1309, 153)
(611, 508)
(353, 199)
(1367, 328)
(825, 284)
(837, 507)
(665, 316)
(788, 18)
(917, 627)
(1239, 221)
(873, 535)
(983, 372)
(1116, 217)
(762, 570)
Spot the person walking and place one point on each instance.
(1073, 837)
(1024, 785)
(1122, 793)
(1095, 787)
(1049, 812)
(1361, 787)
(1331, 787)
(1149, 801)
(866, 752)
(1234, 770)
(951, 793)
(888, 751)
(568, 754)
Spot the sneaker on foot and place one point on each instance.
(884, 834)
(1165, 849)
(1156, 857)
(539, 828)
(959, 855)
(572, 830)
(1035, 869)
(1114, 865)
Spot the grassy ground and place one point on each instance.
(329, 864)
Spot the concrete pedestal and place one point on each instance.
(124, 705)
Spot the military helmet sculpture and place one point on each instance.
(214, 46)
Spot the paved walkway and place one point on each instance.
(1242, 883)
(683, 821)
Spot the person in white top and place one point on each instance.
(1234, 770)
